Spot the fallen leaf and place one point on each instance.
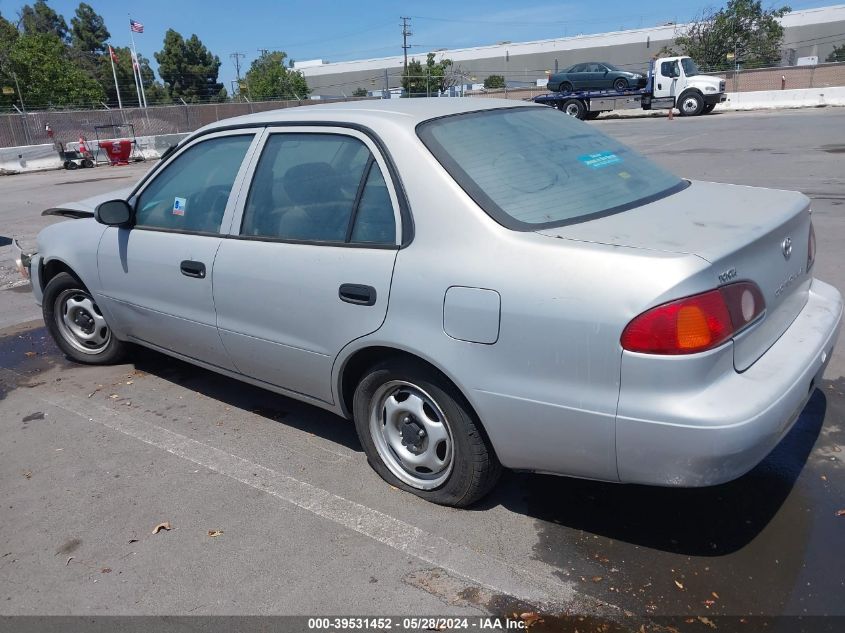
(709, 603)
(31, 354)
(28, 474)
(133, 540)
(530, 618)
(114, 396)
(597, 579)
(679, 585)
(714, 594)
(128, 382)
(706, 621)
(105, 570)
(161, 526)
(840, 513)
(824, 477)
(214, 533)
(67, 562)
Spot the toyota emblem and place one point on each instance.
(786, 247)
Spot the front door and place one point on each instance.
(666, 78)
(308, 265)
(156, 275)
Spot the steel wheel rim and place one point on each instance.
(572, 110)
(80, 322)
(399, 411)
(690, 104)
(620, 85)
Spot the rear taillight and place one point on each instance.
(811, 248)
(694, 324)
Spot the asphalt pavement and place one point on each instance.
(273, 509)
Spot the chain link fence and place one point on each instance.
(69, 125)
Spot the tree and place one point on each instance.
(8, 37)
(268, 78)
(837, 55)
(48, 76)
(88, 32)
(427, 80)
(741, 33)
(359, 92)
(41, 18)
(189, 70)
(494, 81)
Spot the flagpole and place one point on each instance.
(114, 74)
(136, 70)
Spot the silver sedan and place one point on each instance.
(478, 284)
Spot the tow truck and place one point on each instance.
(673, 82)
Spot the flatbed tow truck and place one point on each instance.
(674, 82)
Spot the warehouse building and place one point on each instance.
(807, 34)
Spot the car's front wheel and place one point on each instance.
(77, 324)
(620, 84)
(420, 435)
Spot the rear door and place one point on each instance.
(308, 265)
(156, 275)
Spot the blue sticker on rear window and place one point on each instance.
(600, 159)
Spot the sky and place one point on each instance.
(363, 29)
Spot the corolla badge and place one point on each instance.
(786, 247)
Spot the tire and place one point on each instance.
(70, 165)
(87, 163)
(565, 87)
(708, 108)
(592, 116)
(399, 407)
(620, 84)
(77, 325)
(574, 107)
(690, 104)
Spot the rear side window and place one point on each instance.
(191, 193)
(533, 167)
(319, 188)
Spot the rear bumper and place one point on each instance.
(671, 432)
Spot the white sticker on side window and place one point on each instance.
(179, 205)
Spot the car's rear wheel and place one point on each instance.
(420, 435)
(565, 87)
(77, 324)
(620, 84)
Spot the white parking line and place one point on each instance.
(541, 589)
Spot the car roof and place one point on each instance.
(371, 113)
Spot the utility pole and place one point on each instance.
(236, 58)
(405, 34)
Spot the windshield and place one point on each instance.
(531, 167)
(690, 69)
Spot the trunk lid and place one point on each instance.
(741, 232)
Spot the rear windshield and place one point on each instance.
(531, 168)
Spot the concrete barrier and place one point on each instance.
(15, 160)
(779, 99)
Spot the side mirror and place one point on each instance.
(114, 213)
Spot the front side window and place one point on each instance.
(191, 193)
(690, 69)
(319, 188)
(531, 168)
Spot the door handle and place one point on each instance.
(358, 294)
(191, 268)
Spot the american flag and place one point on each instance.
(135, 26)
